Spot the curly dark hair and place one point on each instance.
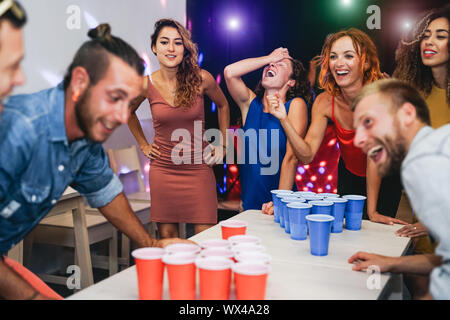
(189, 79)
(410, 67)
(301, 88)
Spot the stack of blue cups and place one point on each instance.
(284, 215)
(276, 198)
(297, 212)
(354, 211)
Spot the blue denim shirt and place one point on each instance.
(37, 163)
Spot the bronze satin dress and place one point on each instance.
(180, 192)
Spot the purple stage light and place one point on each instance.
(200, 59)
(233, 23)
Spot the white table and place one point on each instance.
(296, 274)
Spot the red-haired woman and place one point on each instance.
(182, 185)
(349, 61)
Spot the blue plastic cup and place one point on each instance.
(276, 203)
(353, 220)
(302, 193)
(338, 212)
(285, 201)
(321, 207)
(327, 195)
(355, 203)
(319, 226)
(297, 219)
(312, 197)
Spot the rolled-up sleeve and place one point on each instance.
(96, 181)
(104, 196)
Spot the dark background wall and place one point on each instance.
(301, 26)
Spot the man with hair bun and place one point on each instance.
(52, 139)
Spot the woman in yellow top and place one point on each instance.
(422, 60)
(429, 41)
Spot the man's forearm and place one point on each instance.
(120, 214)
(421, 264)
(12, 286)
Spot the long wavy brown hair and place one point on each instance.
(410, 67)
(366, 51)
(189, 77)
(301, 88)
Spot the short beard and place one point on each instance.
(84, 119)
(397, 153)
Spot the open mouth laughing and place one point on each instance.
(375, 153)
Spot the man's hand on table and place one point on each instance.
(161, 243)
(363, 260)
(267, 208)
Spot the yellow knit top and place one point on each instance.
(438, 106)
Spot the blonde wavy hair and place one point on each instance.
(189, 77)
(366, 51)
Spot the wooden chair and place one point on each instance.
(16, 253)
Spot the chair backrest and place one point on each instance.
(126, 160)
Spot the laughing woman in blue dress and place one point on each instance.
(268, 160)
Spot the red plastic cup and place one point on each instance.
(243, 238)
(185, 248)
(253, 256)
(245, 247)
(215, 243)
(150, 272)
(250, 280)
(217, 252)
(232, 228)
(215, 278)
(181, 273)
